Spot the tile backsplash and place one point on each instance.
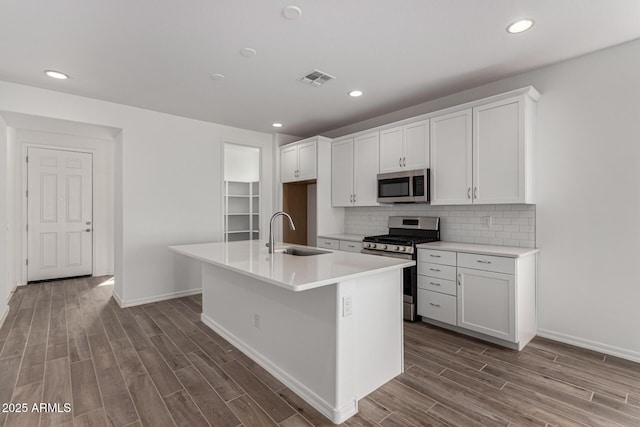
(511, 225)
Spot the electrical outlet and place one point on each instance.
(487, 221)
(347, 307)
(256, 321)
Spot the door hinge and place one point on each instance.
(27, 227)
(27, 159)
(27, 262)
(26, 193)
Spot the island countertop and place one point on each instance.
(295, 273)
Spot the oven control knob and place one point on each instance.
(383, 246)
(373, 246)
(403, 249)
(396, 248)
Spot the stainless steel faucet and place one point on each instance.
(293, 227)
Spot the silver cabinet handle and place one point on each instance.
(327, 243)
(354, 198)
(434, 269)
(435, 256)
(434, 284)
(435, 305)
(469, 193)
(475, 192)
(351, 246)
(459, 279)
(351, 198)
(484, 262)
(404, 161)
(400, 162)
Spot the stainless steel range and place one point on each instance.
(405, 232)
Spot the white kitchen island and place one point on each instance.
(328, 326)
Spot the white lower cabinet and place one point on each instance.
(339, 245)
(487, 303)
(490, 297)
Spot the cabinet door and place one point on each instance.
(416, 145)
(486, 303)
(342, 173)
(451, 159)
(499, 152)
(306, 161)
(366, 160)
(288, 163)
(391, 150)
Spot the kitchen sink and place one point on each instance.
(301, 251)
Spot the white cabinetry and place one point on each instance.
(405, 147)
(354, 171)
(298, 162)
(451, 158)
(489, 297)
(339, 244)
(484, 154)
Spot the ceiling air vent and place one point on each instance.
(317, 78)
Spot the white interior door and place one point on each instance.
(59, 213)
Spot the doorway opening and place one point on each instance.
(242, 192)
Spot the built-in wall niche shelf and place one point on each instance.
(241, 211)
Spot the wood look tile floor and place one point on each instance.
(158, 365)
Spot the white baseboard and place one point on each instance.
(146, 300)
(117, 298)
(5, 313)
(591, 345)
(337, 415)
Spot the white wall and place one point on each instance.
(241, 163)
(588, 210)
(4, 209)
(169, 188)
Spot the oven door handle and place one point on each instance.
(387, 254)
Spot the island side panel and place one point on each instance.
(377, 331)
(291, 334)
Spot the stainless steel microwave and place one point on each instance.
(404, 187)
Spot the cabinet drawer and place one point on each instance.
(446, 272)
(437, 257)
(328, 243)
(437, 285)
(346, 245)
(497, 264)
(437, 306)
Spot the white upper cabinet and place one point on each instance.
(499, 170)
(298, 162)
(451, 156)
(342, 173)
(484, 154)
(405, 147)
(354, 171)
(365, 169)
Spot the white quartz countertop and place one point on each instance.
(506, 251)
(296, 273)
(348, 237)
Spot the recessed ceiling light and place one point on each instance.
(292, 12)
(277, 125)
(217, 76)
(355, 93)
(56, 74)
(520, 26)
(248, 52)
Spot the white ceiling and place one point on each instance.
(159, 54)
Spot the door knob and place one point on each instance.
(88, 230)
